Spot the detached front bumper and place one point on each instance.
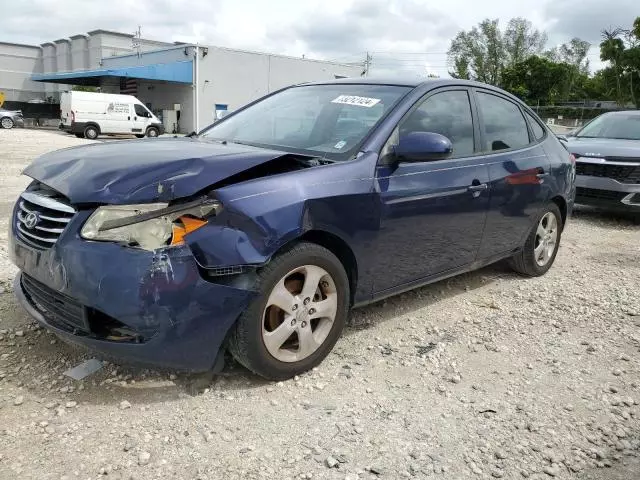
(153, 308)
(607, 193)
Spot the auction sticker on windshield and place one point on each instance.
(355, 100)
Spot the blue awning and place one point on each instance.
(179, 72)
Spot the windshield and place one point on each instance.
(626, 127)
(320, 120)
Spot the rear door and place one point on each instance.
(518, 169)
(433, 212)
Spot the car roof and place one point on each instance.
(623, 112)
(415, 83)
(404, 82)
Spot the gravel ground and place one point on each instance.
(487, 375)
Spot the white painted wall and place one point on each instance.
(63, 60)
(17, 64)
(235, 77)
(79, 52)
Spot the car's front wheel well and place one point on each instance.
(340, 249)
(562, 205)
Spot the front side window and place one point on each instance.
(140, 110)
(320, 120)
(447, 113)
(504, 126)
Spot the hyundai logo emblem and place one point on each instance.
(31, 220)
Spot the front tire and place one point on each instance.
(541, 247)
(298, 315)
(6, 123)
(91, 132)
(152, 132)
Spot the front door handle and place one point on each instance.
(477, 188)
(542, 175)
(129, 118)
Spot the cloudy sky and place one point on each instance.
(403, 36)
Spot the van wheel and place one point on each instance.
(91, 132)
(139, 135)
(80, 135)
(152, 132)
(297, 316)
(541, 246)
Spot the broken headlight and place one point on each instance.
(148, 226)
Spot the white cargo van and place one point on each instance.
(89, 114)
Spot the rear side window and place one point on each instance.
(538, 131)
(504, 126)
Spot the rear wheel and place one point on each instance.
(152, 132)
(91, 132)
(6, 122)
(540, 249)
(297, 317)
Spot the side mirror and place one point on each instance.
(423, 147)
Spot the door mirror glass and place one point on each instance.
(423, 147)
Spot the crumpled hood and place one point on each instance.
(603, 147)
(143, 171)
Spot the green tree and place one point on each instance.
(84, 88)
(483, 52)
(620, 48)
(478, 54)
(573, 52)
(541, 80)
(522, 41)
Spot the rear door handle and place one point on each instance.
(477, 188)
(128, 118)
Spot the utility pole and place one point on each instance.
(367, 65)
(136, 44)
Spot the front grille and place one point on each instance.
(596, 194)
(41, 217)
(616, 172)
(57, 308)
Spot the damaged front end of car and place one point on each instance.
(157, 280)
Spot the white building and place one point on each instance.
(167, 77)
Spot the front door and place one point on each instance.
(518, 170)
(140, 119)
(432, 213)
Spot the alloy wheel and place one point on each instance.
(6, 122)
(546, 239)
(299, 313)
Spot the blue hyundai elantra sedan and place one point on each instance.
(258, 235)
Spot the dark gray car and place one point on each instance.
(11, 118)
(607, 152)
